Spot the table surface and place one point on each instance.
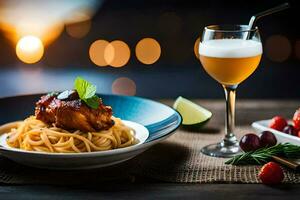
(247, 112)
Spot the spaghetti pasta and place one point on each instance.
(34, 135)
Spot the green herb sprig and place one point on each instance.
(264, 155)
(87, 92)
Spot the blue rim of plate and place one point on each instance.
(157, 130)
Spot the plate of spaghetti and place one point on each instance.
(35, 135)
(80, 129)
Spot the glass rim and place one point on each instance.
(230, 28)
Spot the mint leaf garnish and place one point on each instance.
(93, 102)
(90, 91)
(87, 92)
(84, 88)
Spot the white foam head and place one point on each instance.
(230, 48)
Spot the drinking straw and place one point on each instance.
(270, 11)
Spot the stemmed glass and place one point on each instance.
(229, 54)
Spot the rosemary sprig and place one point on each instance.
(264, 155)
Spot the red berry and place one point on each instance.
(278, 123)
(249, 142)
(296, 119)
(271, 173)
(289, 129)
(267, 139)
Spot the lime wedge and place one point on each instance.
(193, 115)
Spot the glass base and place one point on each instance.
(220, 150)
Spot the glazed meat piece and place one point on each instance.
(46, 107)
(75, 114)
(67, 111)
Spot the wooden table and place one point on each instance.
(141, 188)
(152, 191)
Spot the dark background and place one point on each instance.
(175, 24)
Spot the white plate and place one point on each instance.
(85, 160)
(280, 136)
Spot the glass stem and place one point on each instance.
(230, 138)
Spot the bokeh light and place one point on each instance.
(96, 52)
(278, 48)
(30, 49)
(124, 86)
(117, 53)
(297, 49)
(79, 29)
(47, 33)
(196, 47)
(43, 19)
(148, 51)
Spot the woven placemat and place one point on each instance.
(178, 159)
